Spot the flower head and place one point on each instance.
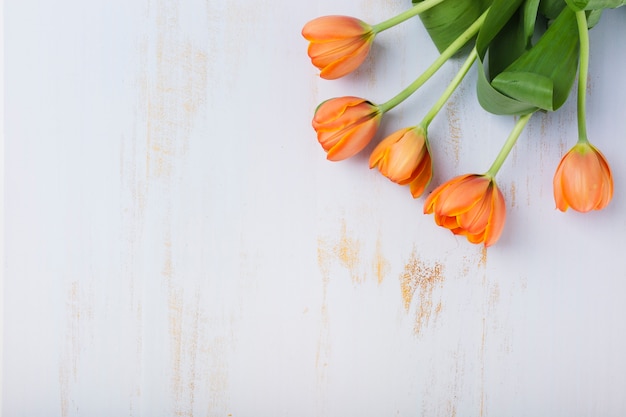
(403, 157)
(583, 180)
(345, 125)
(470, 205)
(337, 44)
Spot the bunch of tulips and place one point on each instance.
(523, 77)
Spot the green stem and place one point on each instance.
(450, 89)
(508, 145)
(583, 70)
(454, 47)
(413, 11)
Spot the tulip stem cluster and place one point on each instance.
(413, 11)
(508, 145)
(583, 70)
(454, 47)
(469, 205)
(434, 110)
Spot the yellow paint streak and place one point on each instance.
(176, 92)
(513, 191)
(79, 311)
(454, 128)
(423, 279)
(381, 264)
(483, 257)
(175, 307)
(347, 251)
(324, 257)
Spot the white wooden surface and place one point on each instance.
(177, 245)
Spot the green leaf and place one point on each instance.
(498, 16)
(507, 46)
(529, 19)
(534, 89)
(446, 21)
(494, 101)
(514, 38)
(555, 57)
(551, 8)
(593, 18)
(578, 5)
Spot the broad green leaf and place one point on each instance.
(509, 45)
(499, 14)
(555, 56)
(530, 9)
(494, 101)
(577, 5)
(551, 8)
(528, 87)
(514, 38)
(446, 21)
(593, 18)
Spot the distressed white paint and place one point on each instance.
(176, 243)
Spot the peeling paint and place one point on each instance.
(454, 128)
(380, 263)
(347, 251)
(323, 346)
(423, 279)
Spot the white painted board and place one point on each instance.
(176, 243)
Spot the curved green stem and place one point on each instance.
(583, 70)
(508, 145)
(413, 11)
(449, 89)
(454, 47)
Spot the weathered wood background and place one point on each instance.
(176, 243)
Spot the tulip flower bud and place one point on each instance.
(583, 180)
(403, 157)
(345, 125)
(338, 44)
(470, 205)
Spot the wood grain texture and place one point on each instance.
(176, 243)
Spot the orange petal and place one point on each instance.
(354, 140)
(433, 197)
(328, 28)
(582, 181)
(476, 218)
(496, 222)
(557, 187)
(425, 174)
(607, 183)
(331, 110)
(323, 54)
(462, 195)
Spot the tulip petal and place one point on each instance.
(434, 196)
(323, 54)
(607, 183)
(354, 140)
(329, 28)
(582, 181)
(462, 195)
(475, 219)
(330, 112)
(346, 64)
(495, 225)
(557, 185)
(403, 160)
(425, 174)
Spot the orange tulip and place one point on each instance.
(403, 157)
(469, 205)
(345, 126)
(337, 44)
(583, 180)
